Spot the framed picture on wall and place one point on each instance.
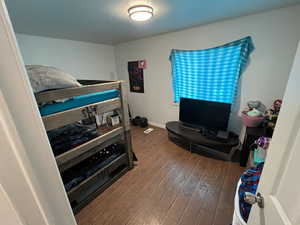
(136, 76)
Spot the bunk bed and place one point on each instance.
(94, 169)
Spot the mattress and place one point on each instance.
(78, 101)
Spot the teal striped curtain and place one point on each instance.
(210, 74)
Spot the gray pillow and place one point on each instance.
(44, 78)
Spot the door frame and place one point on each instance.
(42, 190)
(8, 213)
(280, 151)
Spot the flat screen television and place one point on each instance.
(207, 114)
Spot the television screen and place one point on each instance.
(199, 113)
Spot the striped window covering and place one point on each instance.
(210, 74)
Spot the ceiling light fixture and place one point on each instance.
(140, 12)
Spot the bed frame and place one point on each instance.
(80, 195)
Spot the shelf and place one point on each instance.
(107, 172)
(83, 151)
(115, 165)
(76, 208)
(60, 119)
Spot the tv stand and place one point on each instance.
(194, 141)
(191, 128)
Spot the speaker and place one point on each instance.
(136, 121)
(140, 121)
(143, 122)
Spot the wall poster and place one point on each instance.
(136, 75)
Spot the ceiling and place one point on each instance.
(107, 22)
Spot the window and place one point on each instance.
(210, 74)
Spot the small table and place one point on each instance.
(251, 134)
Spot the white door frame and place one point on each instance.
(15, 185)
(41, 200)
(8, 213)
(281, 152)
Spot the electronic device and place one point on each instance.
(223, 135)
(147, 131)
(207, 114)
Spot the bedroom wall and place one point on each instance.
(83, 60)
(275, 35)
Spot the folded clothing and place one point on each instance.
(67, 137)
(249, 182)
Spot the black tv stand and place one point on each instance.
(195, 141)
(202, 130)
(196, 129)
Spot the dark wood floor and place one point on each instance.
(169, 186)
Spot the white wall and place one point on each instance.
(83, 60)
(275, 35)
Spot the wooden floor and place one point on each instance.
(169, 186)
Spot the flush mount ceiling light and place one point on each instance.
(140, 12)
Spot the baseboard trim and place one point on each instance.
(163, 126)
